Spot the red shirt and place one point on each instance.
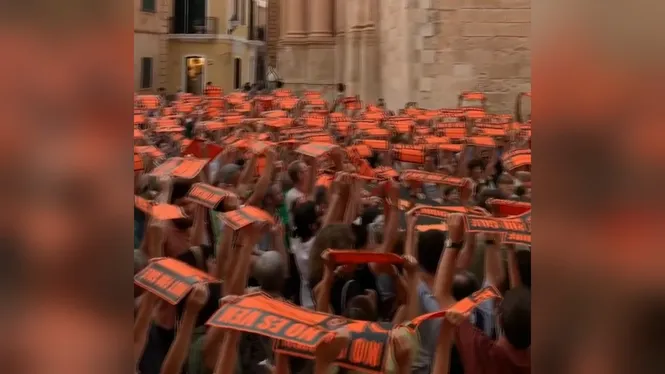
(482, 355)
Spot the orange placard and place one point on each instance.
(179, 167)
(170, 279)
(202, 149)
(515, 230)
(440, 227)
(481, 141)
(314, 121)
(138, 163)
(386, 172)
(138, 119)
(207, 195)
(258, 147)
(324, 180)
(413, 155)
(367, 351)
(260, 314)
(404, 204)
(163, 212)
(427, 177)
(359, 150)
(353, 257)
(376, 144)
(516, 158)
(377, 133)
(506, 208)
(239, 218)
(169, 129)
(315, 149)
(149, 150)
(455, 133)
(464, 306)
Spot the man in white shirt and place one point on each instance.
(298, 174)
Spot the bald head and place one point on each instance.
(269, 271)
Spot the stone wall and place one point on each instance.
(479, 45)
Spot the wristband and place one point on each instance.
(459, 245)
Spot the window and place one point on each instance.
(148, 6)
(146, 72)
(243, 12)
(237, 73)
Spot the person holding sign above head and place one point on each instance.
(329, 265)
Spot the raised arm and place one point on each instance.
(441, 360)
(323, 289)
(514, 275)
(263, 184)
(142, 324)
(175, 358)
(494, 272)
(443, 282)
(392, 221)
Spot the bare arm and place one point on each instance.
(142, 324)
(441, 363)
(494, 272)
(513, 271)
(465, 258)
(265, 179)
(443, 282)
(248, 172)
(322, 290)
(392, 224)
(175, 358)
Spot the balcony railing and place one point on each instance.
(257, 33)
(201, 26)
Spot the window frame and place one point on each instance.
(143, 73)
(144, 9)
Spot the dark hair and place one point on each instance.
(430, 248)
(179, 191)
(464, 284)
(341, 87)
(523, 259)
(209, 83)
(360, 308)
(487, 194)
(304, 216)
(294, 171)
(337, 236)
(373, 160)
(515, 317)
(520, 191)
(320, 195)
(360, 231)
(279, 84)
(448, 190)
(475, 163)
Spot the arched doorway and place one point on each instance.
(194, 74)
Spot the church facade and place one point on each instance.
(423, 51)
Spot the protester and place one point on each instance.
(263, 219)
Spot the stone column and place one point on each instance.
(352, 65)
(340, 40)
(321, 15)
(369, 52)
(295, 25)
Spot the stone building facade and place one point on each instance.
(426, 51)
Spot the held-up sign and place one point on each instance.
(170, 279)
(315, 149)
(515, 230)
(159, 211)
(244, 216)
(366, 352)
(345, 256)
(260, 314)
(180, 167)
(208, 196)
(464, 306)
(506, 208)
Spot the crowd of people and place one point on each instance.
(277, 233)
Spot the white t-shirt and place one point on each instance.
(293, 195)
(301, 251)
